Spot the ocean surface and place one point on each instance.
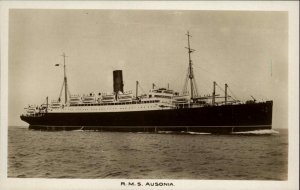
(113, 155)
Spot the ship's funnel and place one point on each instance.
(118, 81)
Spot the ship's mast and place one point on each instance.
(47, 104)
(65, 78)
(214, 93)
(190, 70)
(136, 89)
(226, 86)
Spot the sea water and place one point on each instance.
(113, 155)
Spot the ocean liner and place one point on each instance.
(161, 110)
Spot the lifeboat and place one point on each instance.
(89, 99)
(55, 104)
(125, 97)
(75, 99)
(108, 98)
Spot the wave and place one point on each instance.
(197, 133)
(183, 132)
(79, 130)
(257, 132)
(166, 132)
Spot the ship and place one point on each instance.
(160, 110)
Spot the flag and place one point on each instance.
(56, 64)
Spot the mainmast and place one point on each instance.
(65, 78)
(194, 92)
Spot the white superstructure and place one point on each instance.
(157, 99)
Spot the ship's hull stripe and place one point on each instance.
(224, 126)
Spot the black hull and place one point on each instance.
(211, 119)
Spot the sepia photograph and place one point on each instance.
(147, 97)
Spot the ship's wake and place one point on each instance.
(257, 132)
(196, 133)
(79, 130)
(183, 132)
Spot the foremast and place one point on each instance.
(190, 76)
(65, 82)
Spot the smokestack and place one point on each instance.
(118, 81)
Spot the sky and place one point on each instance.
(248, 50)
